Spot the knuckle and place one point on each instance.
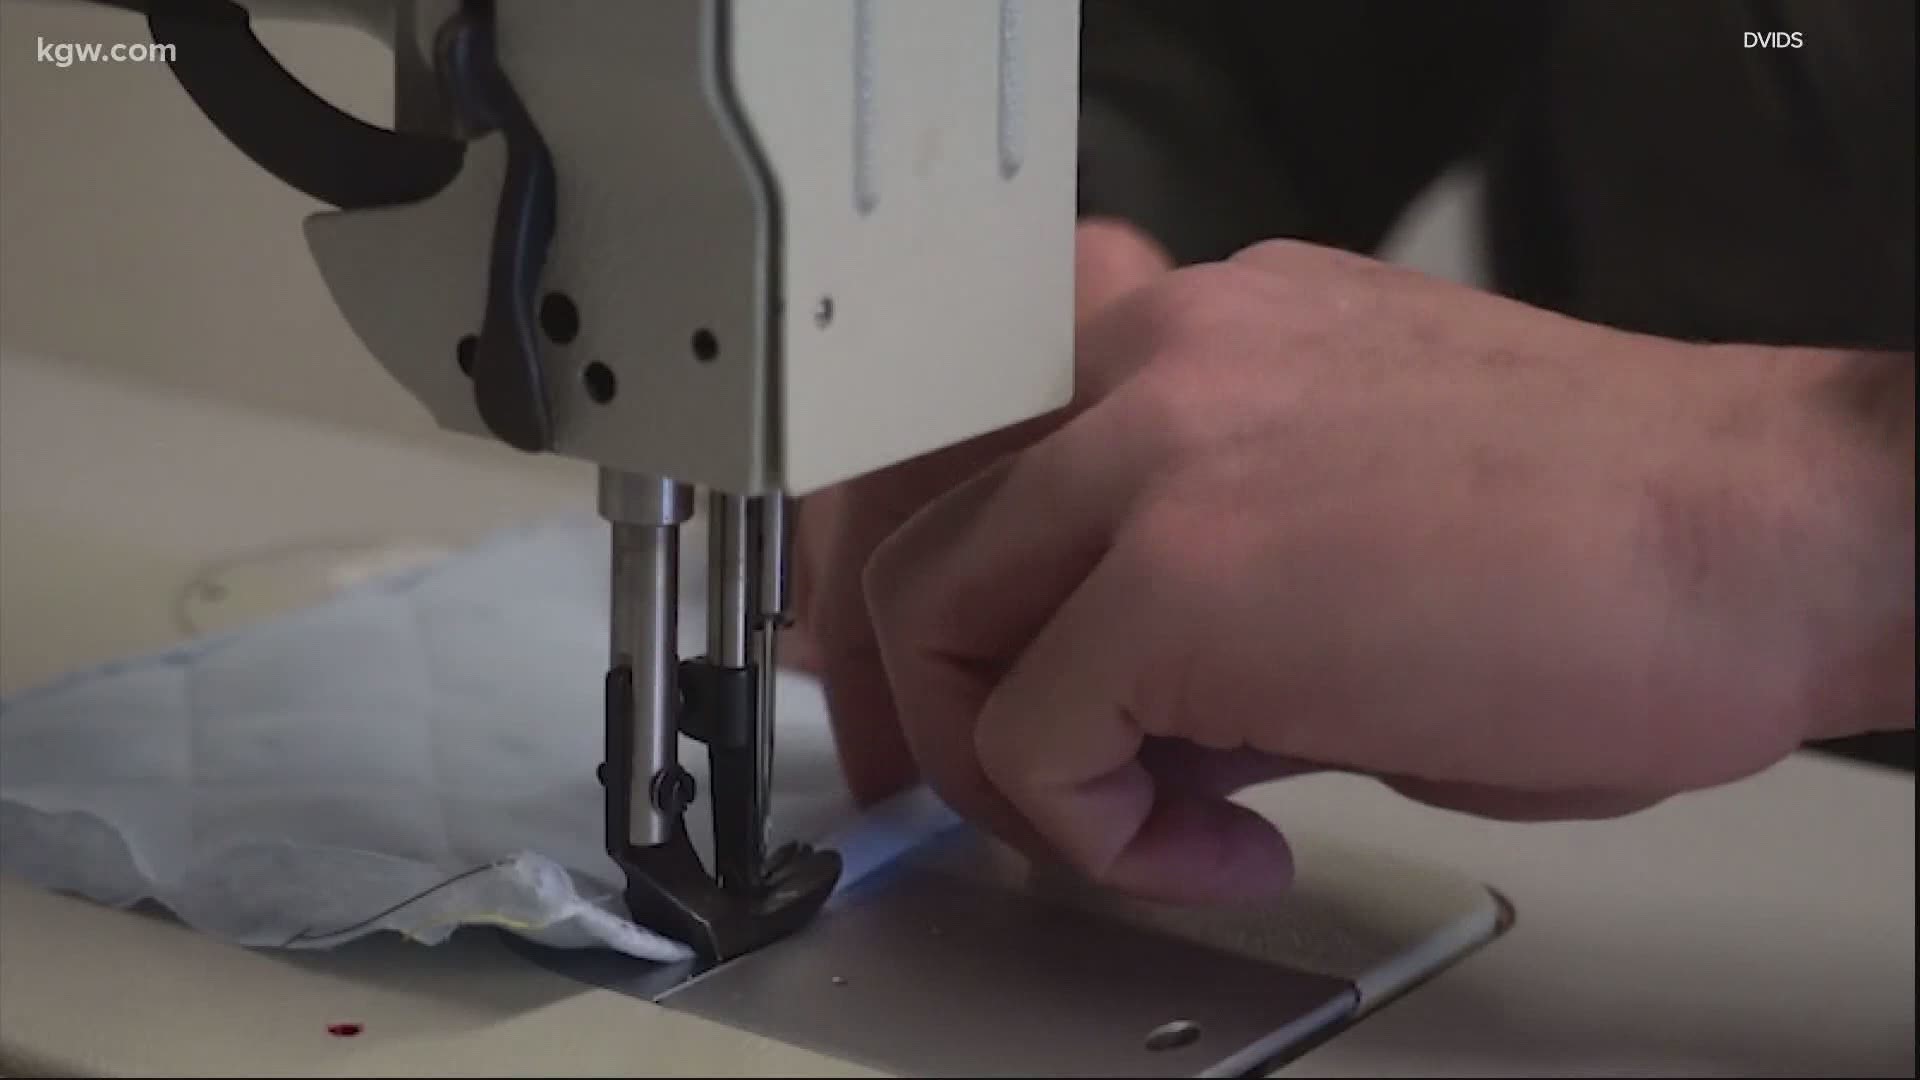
(1097, 869)
(1156, 547)
(1330, 287)
(1165, 552)
(998, 753)
(1284, 254)
(1301, 260)
(895, 598)
(1172, 322)
(1175, 412)
(1164, 690)
(1190, 301)
(1192, 555)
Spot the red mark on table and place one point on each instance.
(344, 1031)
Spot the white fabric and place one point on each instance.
(414, 755)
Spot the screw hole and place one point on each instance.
(823, 312)
(1173, 1035)
(464, 352)
(601, 385)
(560, 318)
(705, 345)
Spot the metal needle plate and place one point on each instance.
(938, 967)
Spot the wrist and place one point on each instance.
(1863, 679)
(1821, 444)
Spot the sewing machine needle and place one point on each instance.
(776, 548)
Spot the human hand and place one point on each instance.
(837, 531)
(1343, 516)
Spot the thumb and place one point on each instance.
(1111, 259)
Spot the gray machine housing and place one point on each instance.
(802, 241)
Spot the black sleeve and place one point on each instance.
(1219, 123)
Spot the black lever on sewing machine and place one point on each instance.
(509, 386)
(331, 155)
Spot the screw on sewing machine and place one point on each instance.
(674, 790)
(1173, 1035)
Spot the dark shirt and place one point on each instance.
(1645, 168)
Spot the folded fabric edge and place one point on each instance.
(525, 892)
(504, 893)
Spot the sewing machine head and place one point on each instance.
(754, 247)
(750, 245)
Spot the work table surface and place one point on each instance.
(1766, 928)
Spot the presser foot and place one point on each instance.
(670, 891)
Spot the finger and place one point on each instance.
(957, 592)
(1062, 739)
(874, 755)
(1180, 763)
(841, 529)
(1012, 667)
(873, 751)
(812, 518)
(1112, 259)
(800, 652)
(1508, 804)
(974, 574)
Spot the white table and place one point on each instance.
(1762, 929)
